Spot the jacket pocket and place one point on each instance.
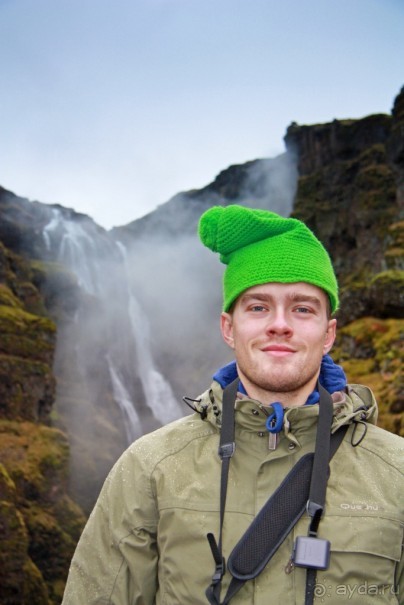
(365, 551)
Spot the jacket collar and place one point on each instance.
(354, 403)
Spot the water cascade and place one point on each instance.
(156, 387)
(104, 362)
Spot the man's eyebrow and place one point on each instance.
(297, 297)
(301, 298)
(258, 296)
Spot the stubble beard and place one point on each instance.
(281, 379)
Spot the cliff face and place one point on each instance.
(81, 327)
(39, 524)
(350, 192)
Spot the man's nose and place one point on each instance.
(279, 324)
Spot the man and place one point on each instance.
(146, 540)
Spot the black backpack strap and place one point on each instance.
(318, 487)
(273, 523)
(226, 450)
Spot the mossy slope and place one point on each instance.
(39, 524)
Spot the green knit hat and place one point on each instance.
(259, 247)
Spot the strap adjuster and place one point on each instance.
(220, 570)
(315, 511)
(220, 563)
(227, 450)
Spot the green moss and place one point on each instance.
(51, 547)
(360, 367)
(35, 456)
(397, 232)
(34, 587)
(22, 321)
(371, 352)
(27, 388)
(20, 579)
(9, 299)
(7, 486)
(396, 254)
(391, 278)
(43, 523)
(28, 366)
(14, 535)
(33, 301)
(25, 334)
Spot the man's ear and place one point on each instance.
(330, 335)
(226, 326)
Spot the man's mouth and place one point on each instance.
(278, 350)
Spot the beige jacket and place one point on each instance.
(145, 542)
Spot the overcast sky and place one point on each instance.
(113, 106)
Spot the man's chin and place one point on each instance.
(288, 383)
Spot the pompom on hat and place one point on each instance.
(259, 247)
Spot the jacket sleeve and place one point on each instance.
(400, 579)
(115, 562)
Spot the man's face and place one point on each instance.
(279, 333)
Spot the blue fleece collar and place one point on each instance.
(332, 378)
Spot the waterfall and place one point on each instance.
(158, 390)
(79, 247)
(103, 351)
(132, 426)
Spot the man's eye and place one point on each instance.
(257, 308)
(303, 310)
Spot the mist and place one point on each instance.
(141, 328)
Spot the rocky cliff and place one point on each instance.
(350, 192)
(39, 523)
(92, 323)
